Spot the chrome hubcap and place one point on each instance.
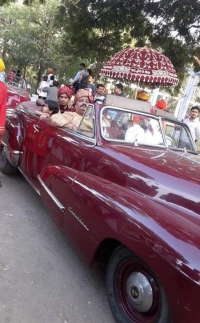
(139, 291)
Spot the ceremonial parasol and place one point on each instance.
(141, 64)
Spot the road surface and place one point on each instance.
(42, 279)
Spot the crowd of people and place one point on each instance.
(13, 76)
(64, 105)
(83, 85)
(55, 98)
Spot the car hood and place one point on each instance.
(19, 91)
(171, 178)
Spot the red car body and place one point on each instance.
(107, 193)
(16, 95)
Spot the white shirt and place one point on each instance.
(41, 86)
(135, 133)
(49, 81)
(194, 126)
(99, 98)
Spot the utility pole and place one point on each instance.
(184, 104)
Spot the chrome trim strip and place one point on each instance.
(17, 152)
(29, 181)
(56, 201)
(77, 135)
(77, 218)
(3, 143)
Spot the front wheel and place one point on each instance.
(5, 165)
(134, 293)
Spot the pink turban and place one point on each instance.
(66, 89)
(136, 119)
(83, 93)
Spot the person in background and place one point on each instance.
(52, 78)
(43, 83)
(50, 108)
(91, 85)
(83, 80)
(105, 91)
(99, 96)
(80, 74)
(50, 72)
(148, 136)
(18, 76)
(194, 123)
(87, 82)
(11, 75)
(64, 96)
(52, 91)
(119, 89)
(3, 99)
(135, 132)
(161, 104)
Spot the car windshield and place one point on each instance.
(178, 135)
(86, 126)
(144, 128)
(128, 126)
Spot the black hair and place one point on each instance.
(119, 86)
(100, 85)
(89, 71)
(45, 78)
(82, 64)
(195, 108)
(40, 102)
(53, 106)
(55, 83)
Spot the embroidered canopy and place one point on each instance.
(141, 64)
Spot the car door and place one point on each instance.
(30, 137)
(69, 156)
(39, 156)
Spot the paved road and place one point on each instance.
(42, 280)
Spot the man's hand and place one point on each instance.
(44, 116)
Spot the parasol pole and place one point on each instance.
(154, 96)
(137, 89)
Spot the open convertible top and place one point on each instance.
(136, 105)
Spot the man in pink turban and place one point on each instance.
(64, 97)
(71, 120)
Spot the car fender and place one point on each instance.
(140, 223)
(168, 243)
(12, 138)
(96, 210)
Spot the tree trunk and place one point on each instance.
(39, 76)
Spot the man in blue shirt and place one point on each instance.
(81, 73)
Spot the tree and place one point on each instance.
(96, 29)
(179, 16)
(29, 37)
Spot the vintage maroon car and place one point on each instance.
(125, 188)
(16, 95)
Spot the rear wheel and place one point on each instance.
(134, 293)
(5, 165)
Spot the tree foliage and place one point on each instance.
(29, 37)
(99, 28)
(61, 34)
